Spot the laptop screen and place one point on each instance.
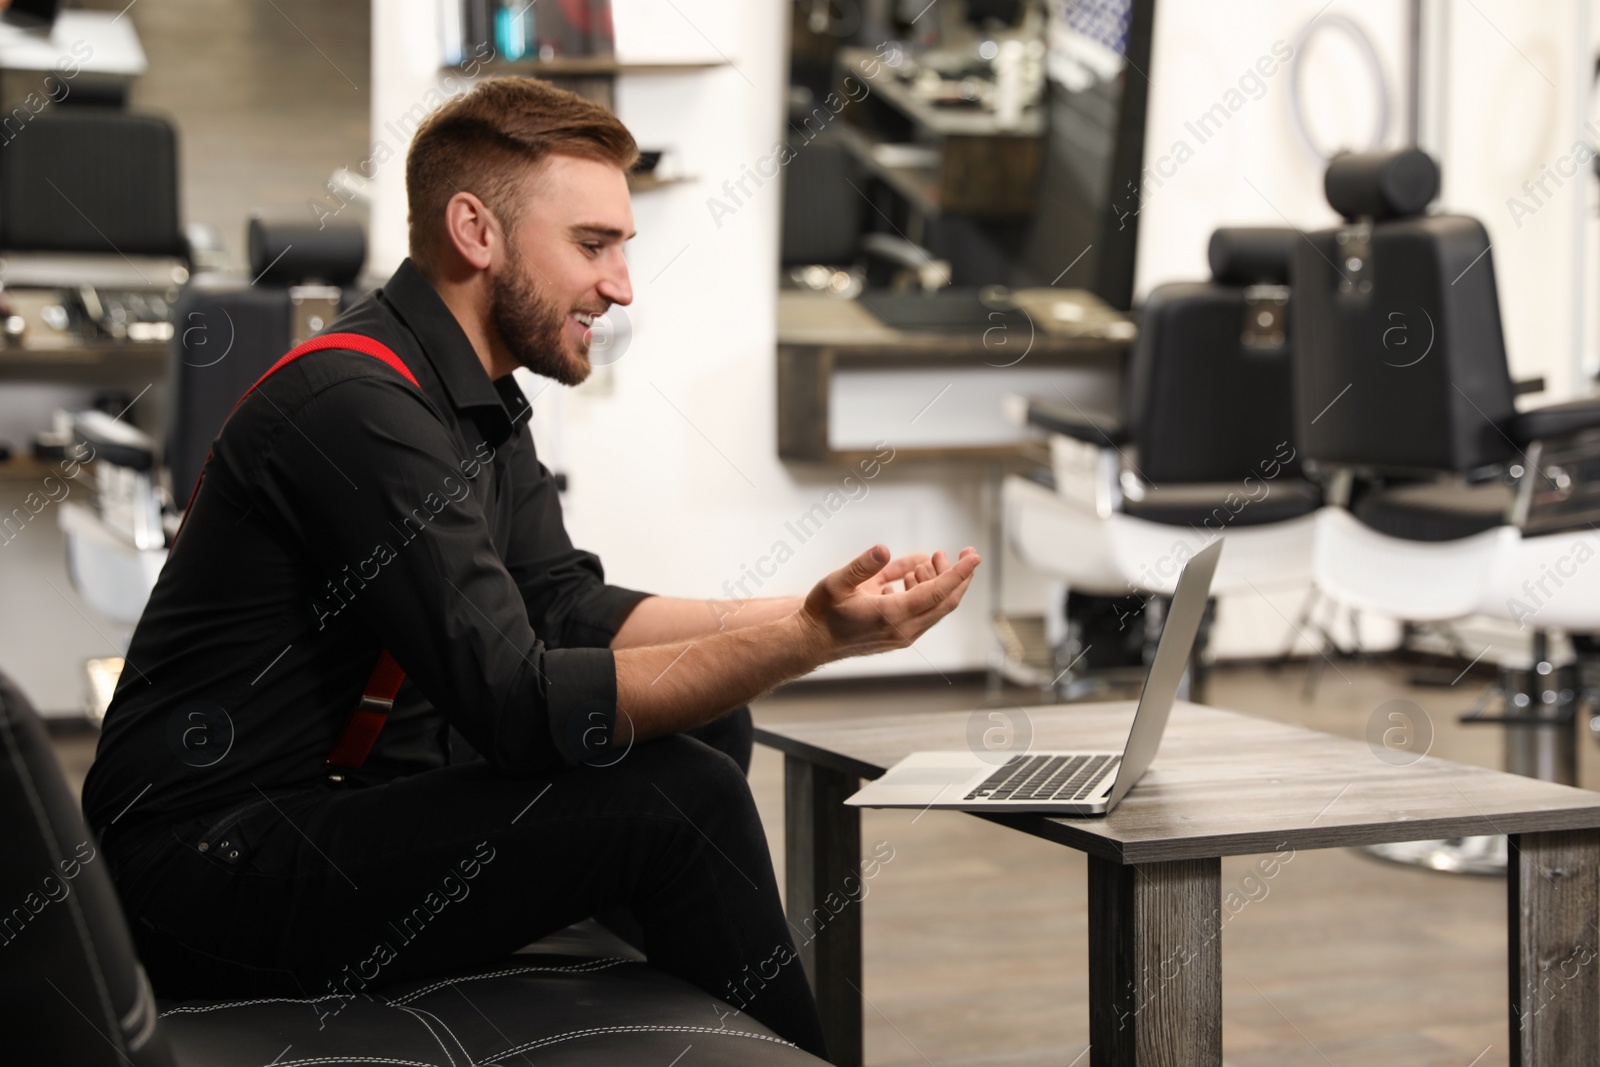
(1172, 659)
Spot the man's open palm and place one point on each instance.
(873, 603)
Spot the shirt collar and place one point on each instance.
(448, 351)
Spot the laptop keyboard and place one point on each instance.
(1045, 778)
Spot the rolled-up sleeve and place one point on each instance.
(384, 504)
(583, 711)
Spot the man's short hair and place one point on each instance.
(487, 141)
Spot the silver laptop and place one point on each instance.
(1062, 783)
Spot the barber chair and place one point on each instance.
(117, 541)
(229, 329)
(74, 991)
(92, 255)
(1446, 501)
(1204, 446)
(93, 181)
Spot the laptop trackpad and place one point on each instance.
(947, 775)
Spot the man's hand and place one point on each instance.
(870, 605)
(858, 609)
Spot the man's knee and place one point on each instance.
(733, 733)
(700, 781)
(709, 765)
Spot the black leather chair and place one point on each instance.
(92, 180)
(90, 222)
(230, 328)
(72, 990)
(1203, 446)
(1401, 366)
(1448, 501)
(227, 330)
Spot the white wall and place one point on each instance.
(1512, 99)
(672, 455)
(1253, 171)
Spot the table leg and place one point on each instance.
(1553, 893)
(1155, 964)
(822, 849)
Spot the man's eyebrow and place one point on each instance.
(594, 229)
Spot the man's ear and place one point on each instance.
(472, 229)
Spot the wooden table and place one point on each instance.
(1225, 784)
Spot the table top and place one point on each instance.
(1223, 784)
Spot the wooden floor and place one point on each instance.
(976, 936)
(976, 941)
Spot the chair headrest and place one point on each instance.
(288, 253)
(1251, 255)
(91, 180)
(1381, 185)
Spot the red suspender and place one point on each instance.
(349, 341)
(377, 696)
(366, 720)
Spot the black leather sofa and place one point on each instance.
(72, 990)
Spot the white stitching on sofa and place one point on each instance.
(571, 1034)
(423, 1017)
(593, 965)
(579, 968)
(353, 1059)
(247, 1003)
(543, 1042)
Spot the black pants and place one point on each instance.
(335, 890)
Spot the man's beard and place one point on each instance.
(533, 328)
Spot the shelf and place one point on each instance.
(22, 470)
(1023, 453)
(920, 185)
(595, 66)
(943, 121)
(982, 169)
(98, 363)
(985, 178)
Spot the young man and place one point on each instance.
(346, 511)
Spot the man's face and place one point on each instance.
(563, 265)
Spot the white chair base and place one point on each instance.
(1118, 554)
(113, 576)
(1547, 582)
(1452, 855)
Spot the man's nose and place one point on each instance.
(616, 287)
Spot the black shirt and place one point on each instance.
(343, 511)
